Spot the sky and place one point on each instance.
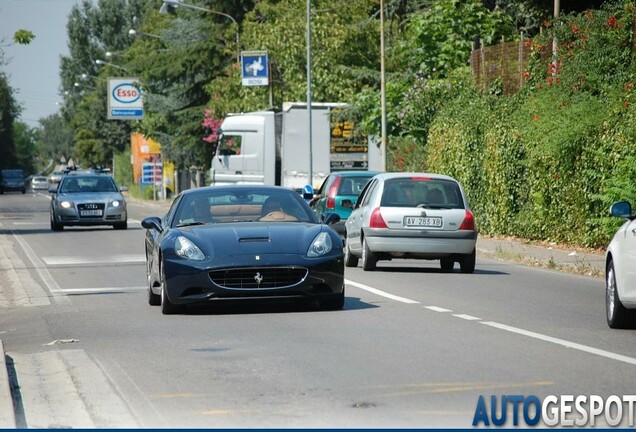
(34, 69)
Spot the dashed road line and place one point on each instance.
(52, 261)
(102, 290)
(380, 292)
(563, 342)
(437, 309)
(467, 317)
(516, 330)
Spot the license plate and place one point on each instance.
(418, 221)
(90, 212)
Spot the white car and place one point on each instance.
(39, 182)
(620, 274)
(411, 215)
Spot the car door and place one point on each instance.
(353, 225)
(627, 257)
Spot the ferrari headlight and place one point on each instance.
(66, 204)
(185, 248)
(320, 246)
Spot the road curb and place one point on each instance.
(7, 414)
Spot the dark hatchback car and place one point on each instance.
(12, 180)
(339, 193)
(239, 243)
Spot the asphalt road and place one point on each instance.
(413, 347)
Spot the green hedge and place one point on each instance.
(541, 166)
(546, 163)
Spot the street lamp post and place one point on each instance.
(134, 32)
(382, 89)
(177, 3)
(309, 125)
(104, 63)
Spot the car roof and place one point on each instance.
(249, 188)
(355, 173)
(397, 175)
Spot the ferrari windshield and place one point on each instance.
(241, 205)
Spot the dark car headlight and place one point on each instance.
(185, 248)
(320, 246)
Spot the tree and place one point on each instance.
(93, 30)
(9, 111)
(25, 149)
(55, 139)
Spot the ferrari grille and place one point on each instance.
(259, 277)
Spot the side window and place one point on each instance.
(229, 145)
(366, 193)
(324, 188)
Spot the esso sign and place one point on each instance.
(126, 93)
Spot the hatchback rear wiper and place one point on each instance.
(434, 207)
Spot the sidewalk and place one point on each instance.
(567, 259)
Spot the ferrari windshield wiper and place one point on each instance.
(185, 224)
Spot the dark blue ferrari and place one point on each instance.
(242, 242)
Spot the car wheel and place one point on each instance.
(153, 299)
(617, 315)
(56, 226)
(167, 307)
(447, 264)
(350, 260)
(368, 257)
(467, 263)
(335, 302)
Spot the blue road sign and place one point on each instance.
(254, 68)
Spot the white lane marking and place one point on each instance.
(437, 309)
(39, 266)
(380, 293)
(102, 290)
(539, 336)
(30, 223)
(106, 260)
(565, 343)
(467, 317)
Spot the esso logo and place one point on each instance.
(126, 93)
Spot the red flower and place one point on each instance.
(535, 117)
(526, 75)
(611, 22)
(626, 104)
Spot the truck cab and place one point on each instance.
(246, 146)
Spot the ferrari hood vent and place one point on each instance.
(253, 234)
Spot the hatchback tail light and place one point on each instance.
(468, 222)
(376, 220)
(331, 195)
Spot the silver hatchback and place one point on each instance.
(412, 215)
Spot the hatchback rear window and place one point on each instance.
(423, 192)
